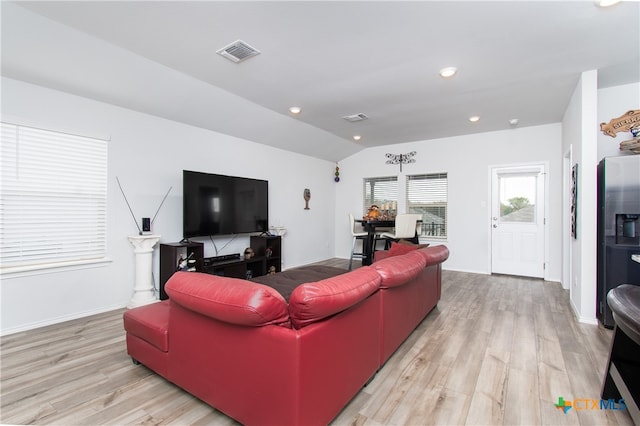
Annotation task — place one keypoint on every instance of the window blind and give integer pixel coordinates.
(427, 195)
(378, 191)
(53, 197)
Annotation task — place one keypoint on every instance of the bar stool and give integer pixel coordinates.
(406, 225)
(356, 236)
(623, 368)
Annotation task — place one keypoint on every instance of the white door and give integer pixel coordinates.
(517, 221)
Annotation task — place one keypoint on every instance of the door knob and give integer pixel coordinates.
(495, 226)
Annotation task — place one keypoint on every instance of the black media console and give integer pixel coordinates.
(267, 255)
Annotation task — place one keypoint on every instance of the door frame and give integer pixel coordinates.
(545, 171)
(567, 246)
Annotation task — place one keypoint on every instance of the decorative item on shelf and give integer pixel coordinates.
(272, 270)
(183, 263)
(401, 159)
(186, 264)
(337, 173)
(249, 274)
(248, 253)
(624, 123)
(307, 197)
(268, 252)
(632, 145)
(278, 231)
(191, 265)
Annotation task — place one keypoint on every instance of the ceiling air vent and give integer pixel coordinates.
(238, 51)
(355, 117)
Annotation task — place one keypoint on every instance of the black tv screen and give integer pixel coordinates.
(223, 205)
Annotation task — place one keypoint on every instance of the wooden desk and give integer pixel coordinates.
(370, 227)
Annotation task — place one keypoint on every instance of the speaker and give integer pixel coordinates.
(146, 224)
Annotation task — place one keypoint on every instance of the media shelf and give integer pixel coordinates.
(170, 255)
(267, 250)
(269, 247)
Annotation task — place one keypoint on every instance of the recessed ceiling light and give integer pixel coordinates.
(357, 137)
(474, 118)
(295, 110)
(448, 72)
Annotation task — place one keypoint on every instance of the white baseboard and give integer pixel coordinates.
(580, 318)
(469, 271)
(58, 320)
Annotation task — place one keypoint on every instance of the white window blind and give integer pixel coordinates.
(427, 195)
(378, 191)
(53, 197)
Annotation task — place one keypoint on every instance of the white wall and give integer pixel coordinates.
(579, 124)
(467, 161)
(612, 103)
(148, 155)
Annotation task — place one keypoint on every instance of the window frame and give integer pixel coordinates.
(440, 190)
(45, 175)
(367, 202)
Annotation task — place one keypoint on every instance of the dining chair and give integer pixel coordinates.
(406, 226)
(356, 236)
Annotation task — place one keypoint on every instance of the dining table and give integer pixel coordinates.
(370, 226)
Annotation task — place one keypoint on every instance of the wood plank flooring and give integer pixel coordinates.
(496, 350)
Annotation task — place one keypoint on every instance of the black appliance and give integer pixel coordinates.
(618, 228)
(223, 205)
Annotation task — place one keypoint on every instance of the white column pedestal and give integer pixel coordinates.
(143, 288)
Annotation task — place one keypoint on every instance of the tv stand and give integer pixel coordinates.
(267, 250)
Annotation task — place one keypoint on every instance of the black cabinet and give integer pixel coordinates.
(269, 248)
(172, 254)
(267, 255)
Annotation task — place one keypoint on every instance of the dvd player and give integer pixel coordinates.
(207, 261)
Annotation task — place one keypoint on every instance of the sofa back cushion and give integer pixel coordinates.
(398, 270)
(435, 254)
(404, 247)
(230, 300)
(312, 302)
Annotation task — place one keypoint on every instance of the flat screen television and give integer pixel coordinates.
(223, 205)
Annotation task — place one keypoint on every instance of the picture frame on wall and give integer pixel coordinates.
(574, 201)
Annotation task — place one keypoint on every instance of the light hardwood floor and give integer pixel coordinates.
(496, 350)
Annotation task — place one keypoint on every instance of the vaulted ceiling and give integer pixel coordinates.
(515, 59)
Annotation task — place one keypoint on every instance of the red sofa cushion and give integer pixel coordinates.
(149, 323)
(230, 300)
(312, 302)
(398, 249)
(399, 270)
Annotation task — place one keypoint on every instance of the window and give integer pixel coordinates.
(53, 197)
(427, 195)
(379, 191)
(518, 197)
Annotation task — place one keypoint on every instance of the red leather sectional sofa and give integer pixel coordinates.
(243, 349)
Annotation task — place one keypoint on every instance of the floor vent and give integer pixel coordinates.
(238, 51)
(355, 117)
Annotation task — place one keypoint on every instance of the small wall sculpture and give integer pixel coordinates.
(307, 197)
